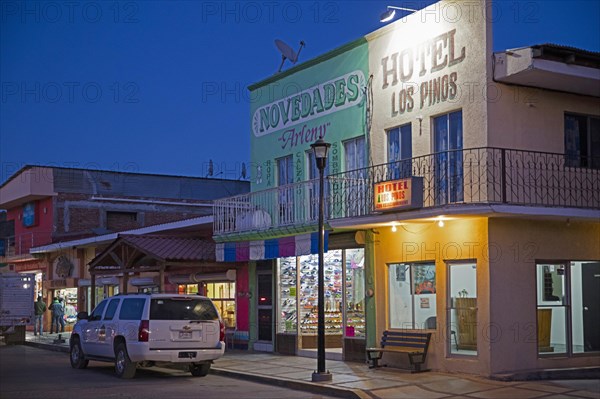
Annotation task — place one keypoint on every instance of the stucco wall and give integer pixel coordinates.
(515, 245)
(465, 26)
(459, 240)
(526, 118)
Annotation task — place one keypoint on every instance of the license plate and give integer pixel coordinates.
(185, 334)
(187, 355)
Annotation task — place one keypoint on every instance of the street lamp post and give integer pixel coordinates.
(320, 149)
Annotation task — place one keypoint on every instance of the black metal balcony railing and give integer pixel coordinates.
(469, 176)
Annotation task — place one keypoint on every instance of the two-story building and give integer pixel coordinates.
(462, 198)
(57, 219)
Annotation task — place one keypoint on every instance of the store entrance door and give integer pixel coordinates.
(591, 308)
(265, 305)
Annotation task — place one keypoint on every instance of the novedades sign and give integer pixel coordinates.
(323, 99)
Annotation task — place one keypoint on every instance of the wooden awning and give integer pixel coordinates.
(152, 253)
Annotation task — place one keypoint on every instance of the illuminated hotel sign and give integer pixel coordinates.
(398, 194)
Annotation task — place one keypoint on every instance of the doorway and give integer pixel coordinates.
(590, 288)
(265, 308)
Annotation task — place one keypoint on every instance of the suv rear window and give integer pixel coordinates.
(182, 309)
(132, 308)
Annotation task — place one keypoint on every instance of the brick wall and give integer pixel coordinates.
(78, 215)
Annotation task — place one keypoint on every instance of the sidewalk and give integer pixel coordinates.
(356, 380)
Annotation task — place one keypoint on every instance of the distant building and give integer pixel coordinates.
(60, 208)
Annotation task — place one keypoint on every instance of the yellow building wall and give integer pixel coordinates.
(515, 246)
(461, 239)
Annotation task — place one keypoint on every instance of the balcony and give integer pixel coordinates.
(15, 246)
(469, 176)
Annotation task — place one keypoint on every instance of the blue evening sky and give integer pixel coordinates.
(160, 86)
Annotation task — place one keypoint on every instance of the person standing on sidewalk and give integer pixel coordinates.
(62, 315)
(39, 307)
(57, 314)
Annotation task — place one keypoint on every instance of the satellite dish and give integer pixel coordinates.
(287, 52)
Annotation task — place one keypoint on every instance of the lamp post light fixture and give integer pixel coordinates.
(320, 149)
(389, 14)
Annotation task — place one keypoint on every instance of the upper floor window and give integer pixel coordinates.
(355, 153)
(30, 214)
(313, 172)
(582, 141)
(285, 196)
(399, 151)
(447, 146)
(285, 171)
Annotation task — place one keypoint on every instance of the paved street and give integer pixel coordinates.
(32, 373)
(350, 380)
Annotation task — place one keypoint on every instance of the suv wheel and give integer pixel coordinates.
(124, 367)
(78, 360)
(200, 370)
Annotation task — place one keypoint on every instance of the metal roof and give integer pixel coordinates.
(168, 248)
(129, 252)
(192, 223)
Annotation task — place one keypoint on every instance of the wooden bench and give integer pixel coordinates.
(414, 344)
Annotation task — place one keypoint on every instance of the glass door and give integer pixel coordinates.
(551, 308)
(265, 306)
(447, 146)
(462, 312)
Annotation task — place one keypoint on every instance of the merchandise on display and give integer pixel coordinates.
(300, 293)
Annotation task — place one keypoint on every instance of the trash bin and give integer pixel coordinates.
(16, 337)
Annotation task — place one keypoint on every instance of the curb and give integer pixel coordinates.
(50, 347)
(584, 373)
(294, 384)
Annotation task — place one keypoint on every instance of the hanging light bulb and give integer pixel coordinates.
(394, 229)
(441, 223)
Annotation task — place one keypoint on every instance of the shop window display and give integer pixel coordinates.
(223, 296)
(355, 293)
(287, 319)
(343, 302)
(412, 291)
(187, 289)
(309, 269)
(69, 296)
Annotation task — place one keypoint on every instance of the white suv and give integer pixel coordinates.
(146, 330)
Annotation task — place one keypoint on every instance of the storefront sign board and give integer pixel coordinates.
(398, 194)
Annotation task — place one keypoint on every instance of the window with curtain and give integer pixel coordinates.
(582, 141)
(399, 151)
(285, 177)
(355, 184)
(447, 145)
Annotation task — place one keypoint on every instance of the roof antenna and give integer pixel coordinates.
(211, 168)
(287, 52)
(244, 172)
